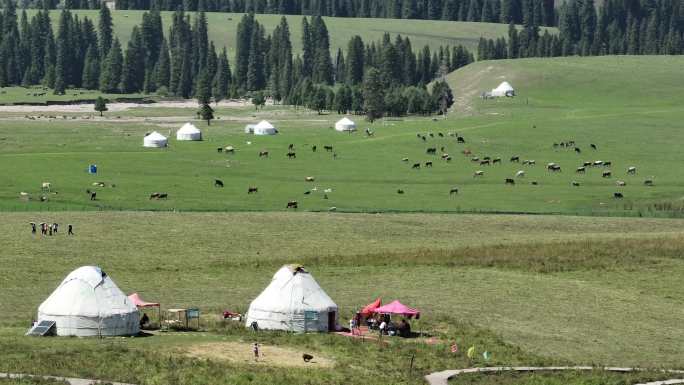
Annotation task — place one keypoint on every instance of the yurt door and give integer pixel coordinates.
(331, 321)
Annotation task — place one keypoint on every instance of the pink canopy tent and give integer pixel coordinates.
(396, 307)
(139, 302)
(370, 308)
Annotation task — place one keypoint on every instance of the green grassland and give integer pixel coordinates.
(37, 94)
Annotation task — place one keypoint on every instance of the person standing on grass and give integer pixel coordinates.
(383, 326)
(33, 228)
(255, 349)
(70, 229)
(54, 228)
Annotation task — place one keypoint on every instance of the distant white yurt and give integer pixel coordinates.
(249, 129)
(264, 128)
(504, 89)
(88, 303)
(295, 302)
(155, 139)
(189, 132)
(345, 124)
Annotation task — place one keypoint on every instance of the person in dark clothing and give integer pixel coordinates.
(144, 320)
(70, 229)
(33, 228)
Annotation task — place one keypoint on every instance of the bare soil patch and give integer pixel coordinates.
(241, 352)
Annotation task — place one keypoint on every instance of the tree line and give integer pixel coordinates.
(632, 27)
(185, 63)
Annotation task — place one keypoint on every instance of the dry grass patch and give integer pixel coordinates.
(241, 353)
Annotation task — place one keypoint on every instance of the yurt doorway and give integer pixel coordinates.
(331, 321)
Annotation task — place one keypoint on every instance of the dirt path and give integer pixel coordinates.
(443, 377)
(69, 380)
(241, 352)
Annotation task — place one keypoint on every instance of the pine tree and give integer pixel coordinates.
(100, 105)
(245, 31)
(222, 80)
(255, 72)
(340, 67)
(443, 96)
(133, 71)
(308, 49)
(203, 91)
(373, 94)
(322, 71)
(206, 113)
(355, 60)
(105, 29)
(91, 69)
(110, 77)
(163, 66)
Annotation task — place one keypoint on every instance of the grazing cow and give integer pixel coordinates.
(575, 183)
(220, 149)
(263, 154)
(607, 164)
(534, 183)
(218, 183)
(631, 170)
(441, 149)
(586, 164)
(309, 179)
(448, 159)
(598, 163)
(593, 146)
(291, 205)
(46, 186)
(252, 189)
(444, 156)
(431, 151)
(328, 148)
(229, 150)
(307, 357)
(431, 134)
(460, 140)
(487, 158)
(418, 135)
(474, 159)
(313, 148)
(424, 138)
(606, 174)
(404, 159)
(454, 190)
(496, 160)
(428, 164)
(291, 155)
(290, 147)
(400, 191)
(648, 182)
(307, 192)
(552, 167)
(478, 173)
(515, 158)
(581, 170)
(484, 163)
(520, 174)
(93, 196)
(577, 150)
(618, 195)
(510, 181)
(620, 183)
(158, 196)
(416, 166)
(440, 134)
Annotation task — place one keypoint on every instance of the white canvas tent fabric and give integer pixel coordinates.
(345, 124)
(88, 303)
(189, 132)
(504, 89)
(293, 301)
(264, 128)
(155, 139)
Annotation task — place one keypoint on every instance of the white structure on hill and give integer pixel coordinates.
(189, 132)
(155, 139)
(504, 89)
(88, 303)
(264, 128)
(345, 124)
(295, 302)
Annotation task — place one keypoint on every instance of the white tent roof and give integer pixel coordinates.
(189, 128)
(293, 301)
(155, 139)
(264, 128)
(263, 125)
(345, 124)
(346, 120)
(504, 87)
(88, 303)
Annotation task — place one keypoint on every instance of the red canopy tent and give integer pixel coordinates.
(139, 302)
(370, 308)
(396, 307)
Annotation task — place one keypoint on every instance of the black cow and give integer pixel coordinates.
(251, 190)
(515, 159)
(428, 164)
(291, 205)
(510, 181)
(218, 183)
(618, 195)
(291, 155)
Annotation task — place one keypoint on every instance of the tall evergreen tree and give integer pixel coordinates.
(91, 69)
(105, 29)
(222, 79)
(373, 94)
(110, 76)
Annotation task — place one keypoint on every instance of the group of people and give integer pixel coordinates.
(50, 228)
(382, 323)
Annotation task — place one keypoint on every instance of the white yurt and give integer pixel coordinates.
(345, 124)
(264, 128)
(504, 89)
(155, 139)
(293, 301)
(189, 132)
(88, 303)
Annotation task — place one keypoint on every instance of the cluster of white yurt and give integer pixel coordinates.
(189, 132)
(345, 124)
(504, 89)
(293, 301)
(88, 303)
(264, 128)
(155, 140)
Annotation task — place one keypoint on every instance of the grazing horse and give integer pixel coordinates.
(263, 154)
(606, 174)
(229, 150)
(575, 183)
(218, 183)
(620, 183)
(496, 160)
(291, 155)
(618, 195)
(607, 164)
(460, 140)
(328, 148)
(291, 205)
(220, 149)
(593, 146)
(440, 134)
(581, 170)
(416, 166)
(454, 190)
(93, 195)
(631, 170)
(484, 162)
(510, 181)
(577, 150)
(309, 179)
(648, 182)
(586, 164)
(478, 173)
(515, 158)
(428, 164)
(252, 189)
(431, 151)
(520, 174)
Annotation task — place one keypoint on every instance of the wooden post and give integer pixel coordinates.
(413, 357)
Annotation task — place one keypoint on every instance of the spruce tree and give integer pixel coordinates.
(322, 66)
(110, 77)
(206, 113)
(105, 29)
(91, 69)
(373, 94)
(163, 68)
(308, 49)
(355, 60)
(100, 105)
(222, 79)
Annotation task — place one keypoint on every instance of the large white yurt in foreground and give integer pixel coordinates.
(189, 132)
(504, 89)
(295, 302)
(88, 303)
(264, 128)
(345, 124)
(155, 139)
